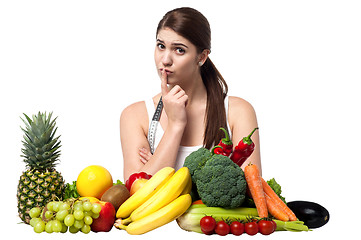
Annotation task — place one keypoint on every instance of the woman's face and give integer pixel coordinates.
(177, 56)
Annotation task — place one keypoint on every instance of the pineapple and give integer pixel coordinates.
(40, 183)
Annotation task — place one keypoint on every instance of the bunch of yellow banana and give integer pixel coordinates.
(162, 199)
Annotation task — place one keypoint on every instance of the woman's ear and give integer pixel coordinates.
(203, 56)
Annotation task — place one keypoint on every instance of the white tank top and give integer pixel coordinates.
(183, 151)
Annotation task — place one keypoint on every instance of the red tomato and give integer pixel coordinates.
(222, 228)
(265, 227)
(237, 228)
(274, 225)
(251, 228)
(208, 224)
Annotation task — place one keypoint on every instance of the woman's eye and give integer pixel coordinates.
(180, 50)
(160, 46)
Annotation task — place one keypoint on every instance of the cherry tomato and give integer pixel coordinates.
(237, 228)
(265, 227)
(222, 228)
(208, 224)
(251, 228)
(274, 225)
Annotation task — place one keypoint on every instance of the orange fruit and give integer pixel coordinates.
(93, 181)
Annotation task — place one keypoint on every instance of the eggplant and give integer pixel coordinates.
(312, 214)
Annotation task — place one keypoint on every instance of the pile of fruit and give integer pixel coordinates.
(46, 202)
(213, 178)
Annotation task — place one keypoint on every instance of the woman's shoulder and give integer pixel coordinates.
(240, 110)
(239, 104)
(135, 113)
(134, 108)
(138, 109)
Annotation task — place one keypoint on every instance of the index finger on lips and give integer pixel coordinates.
(164, 86)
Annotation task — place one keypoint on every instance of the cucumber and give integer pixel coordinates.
(312, 214)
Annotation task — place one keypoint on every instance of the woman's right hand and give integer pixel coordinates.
(174, 102)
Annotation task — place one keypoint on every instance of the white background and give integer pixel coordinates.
(297, 62)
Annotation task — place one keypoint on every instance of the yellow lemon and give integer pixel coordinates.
(93, 181)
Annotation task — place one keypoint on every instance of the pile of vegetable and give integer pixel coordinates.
(221, 204)
(220, 182)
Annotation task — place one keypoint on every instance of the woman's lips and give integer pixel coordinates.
(166, 71)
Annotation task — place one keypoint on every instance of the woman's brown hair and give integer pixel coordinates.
(192, 25)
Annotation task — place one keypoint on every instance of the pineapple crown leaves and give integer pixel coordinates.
(41, 147)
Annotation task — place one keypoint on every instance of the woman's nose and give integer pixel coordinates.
(167, 59)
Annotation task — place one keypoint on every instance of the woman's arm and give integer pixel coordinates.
(134, 130)
(133, 135)
(242, 120)
(133, 122)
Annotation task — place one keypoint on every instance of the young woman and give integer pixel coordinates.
(194, 97)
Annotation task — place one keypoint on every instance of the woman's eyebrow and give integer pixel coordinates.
(173, 44)
(179, 44)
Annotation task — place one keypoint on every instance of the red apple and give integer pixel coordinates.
(106, 218)
(132, 178)
(137, 185)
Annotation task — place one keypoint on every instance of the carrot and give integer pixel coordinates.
(269, 191)
(254, 182)
(274, 210)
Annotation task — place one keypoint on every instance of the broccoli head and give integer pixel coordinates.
(196, 160)
(221, 183)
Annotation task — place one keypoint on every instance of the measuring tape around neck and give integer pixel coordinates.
(154, 124)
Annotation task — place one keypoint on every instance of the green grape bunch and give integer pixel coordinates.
(60, 216)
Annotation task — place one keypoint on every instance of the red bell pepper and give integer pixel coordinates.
(243, 150)
(225, 145)
(135, 176)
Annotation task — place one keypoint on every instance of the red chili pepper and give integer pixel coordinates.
(225, 145)
(218, 150)
(243, 150)
(135, 176)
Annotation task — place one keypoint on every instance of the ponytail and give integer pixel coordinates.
(215, 116)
